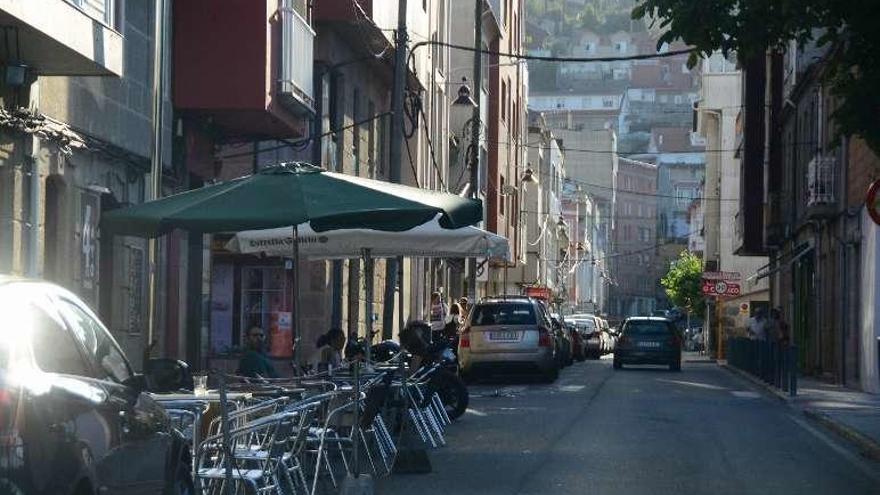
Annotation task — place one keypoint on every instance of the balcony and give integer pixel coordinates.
(820, 197)
(297, 45)
(62, 38)
(245, 66)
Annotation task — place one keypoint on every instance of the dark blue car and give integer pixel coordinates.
(648, 340)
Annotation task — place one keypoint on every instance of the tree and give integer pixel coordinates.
(683, 283)
(749, 28)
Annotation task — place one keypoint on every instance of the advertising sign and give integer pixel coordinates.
(722, 276)
(720, 288)
(539, 293)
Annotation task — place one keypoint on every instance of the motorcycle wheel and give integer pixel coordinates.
(453, 393)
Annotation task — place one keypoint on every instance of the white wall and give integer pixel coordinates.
(869, 317)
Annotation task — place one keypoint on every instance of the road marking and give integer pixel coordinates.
(571, 388)
(692, 384)
(475, 412)
(745, 394)
(849, 456)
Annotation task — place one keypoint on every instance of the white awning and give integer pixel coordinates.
(429, 240)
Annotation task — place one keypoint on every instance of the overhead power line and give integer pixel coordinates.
(544, 58)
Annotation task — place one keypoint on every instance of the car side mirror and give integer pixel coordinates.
(167, 375)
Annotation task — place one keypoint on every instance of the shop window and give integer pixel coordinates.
(264, 304)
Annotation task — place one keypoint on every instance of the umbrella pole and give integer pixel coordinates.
(368, 279)
(296, 331)
(400, 285)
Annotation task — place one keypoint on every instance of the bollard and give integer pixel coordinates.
(793, 371)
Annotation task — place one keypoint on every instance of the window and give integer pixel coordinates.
(620, 46)
(54, 349)
(589, 47)
(504, 314)
(502, 197)
(503, 100)
(608, 102)
(97, 342)
(356, 130)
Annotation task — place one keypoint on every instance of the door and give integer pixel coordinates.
(144, 440)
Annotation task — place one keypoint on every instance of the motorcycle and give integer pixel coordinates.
(435, 360)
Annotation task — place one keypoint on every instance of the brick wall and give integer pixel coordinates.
(864, 168)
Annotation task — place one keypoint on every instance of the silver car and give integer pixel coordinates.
(508, 335)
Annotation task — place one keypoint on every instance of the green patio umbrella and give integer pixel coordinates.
(293, 194)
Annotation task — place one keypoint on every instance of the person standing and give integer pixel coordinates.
(254, 363)
(465, 306)
(438, 312)
(331, 345)
(450, 330)
(781, 330)
(758, 326)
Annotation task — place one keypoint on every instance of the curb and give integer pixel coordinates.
(782, 396)
(868, 446)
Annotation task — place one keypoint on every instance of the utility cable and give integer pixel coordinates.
(543, 58)
(294, 144)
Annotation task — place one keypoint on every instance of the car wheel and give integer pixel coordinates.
(551, 376)
(676, 366)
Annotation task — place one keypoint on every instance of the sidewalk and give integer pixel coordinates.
(851, 414)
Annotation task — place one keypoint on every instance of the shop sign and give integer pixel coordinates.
(720, 288)
(722, 276)
(88, 258)
(539, 293)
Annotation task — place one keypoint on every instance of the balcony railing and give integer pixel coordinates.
(102, 10)
(820, 181)
(297, 56)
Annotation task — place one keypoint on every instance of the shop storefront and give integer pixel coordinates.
(246, 292)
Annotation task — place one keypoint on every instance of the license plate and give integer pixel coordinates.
(649, 345)
(504, 336)
(594, 341)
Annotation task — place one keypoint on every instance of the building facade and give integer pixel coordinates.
(76, 142)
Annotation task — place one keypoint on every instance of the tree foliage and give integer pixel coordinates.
(683, 283)
(750, 27)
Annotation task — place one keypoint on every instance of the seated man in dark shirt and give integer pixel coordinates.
(254, 362)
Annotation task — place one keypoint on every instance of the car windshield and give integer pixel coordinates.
(504, 314)
(588, 324)
(646, 328)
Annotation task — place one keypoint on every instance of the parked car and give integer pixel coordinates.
(590, 327)
(508, 334)
(649, 340)
(579, 345)
(74, 417)
(566, 341)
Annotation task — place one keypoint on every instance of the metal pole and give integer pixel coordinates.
(476, 126)
(396, 151)
(155, 192)
(295, 321)
(401, 321)
(369, 280)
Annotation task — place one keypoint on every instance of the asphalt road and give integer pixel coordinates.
(633, 431)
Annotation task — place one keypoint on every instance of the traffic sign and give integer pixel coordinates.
(872, 201)
(720, 288)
